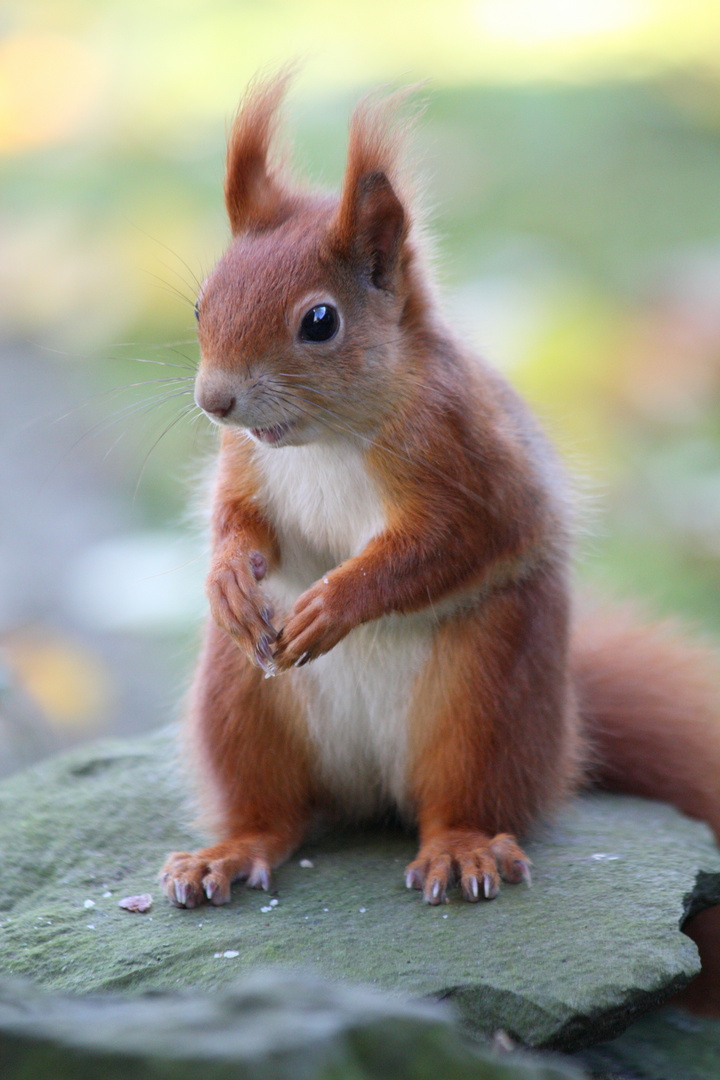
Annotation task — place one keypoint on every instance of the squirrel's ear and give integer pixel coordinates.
(254, 194)
(374, 223)
(371, 222)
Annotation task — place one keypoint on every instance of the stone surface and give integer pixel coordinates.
(594, 943)
(665, 1045)
(270, 1026)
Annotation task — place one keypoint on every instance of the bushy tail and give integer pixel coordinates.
(650, 703)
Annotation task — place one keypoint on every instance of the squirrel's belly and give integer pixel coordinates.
(324, 508)
(359, 697)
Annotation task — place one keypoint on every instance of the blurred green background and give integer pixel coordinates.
(572, 160)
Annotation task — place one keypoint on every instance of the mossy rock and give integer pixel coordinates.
(668, 1044)
(269, 1026)
(594, 943)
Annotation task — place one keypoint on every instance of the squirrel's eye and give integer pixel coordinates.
(319, 323)
(197, 310)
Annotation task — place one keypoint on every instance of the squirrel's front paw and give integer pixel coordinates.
(241, 608)
(314, 625)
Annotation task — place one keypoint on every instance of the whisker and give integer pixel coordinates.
(126, 411)
(181, 416)
(114, 391)
(316, 390)
(170, 285)
(160, 363)
(123, 345)
(50, 419)
(192, 363)
(105, 423)
(169, 250)
(165, 286)
(188, 285)
(152, 344)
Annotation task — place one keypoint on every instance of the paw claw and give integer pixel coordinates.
(472, 889)
(260, 879)
(436, 894)
(524, 871)
(185, 894)
(264, 658)
(266, 617)
(490, 887)
(412, 880)
(217, 891)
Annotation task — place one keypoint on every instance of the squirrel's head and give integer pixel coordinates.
(301, 321)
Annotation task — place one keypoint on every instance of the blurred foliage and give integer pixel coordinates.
(573, 159)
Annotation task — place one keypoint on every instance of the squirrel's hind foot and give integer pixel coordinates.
(478, 862)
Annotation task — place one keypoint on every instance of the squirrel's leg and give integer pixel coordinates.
(247, 744)
(494, 739)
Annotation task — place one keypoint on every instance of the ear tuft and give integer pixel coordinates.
(373, 216)
(255, 196)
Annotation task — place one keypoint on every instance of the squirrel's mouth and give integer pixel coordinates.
(270, 435)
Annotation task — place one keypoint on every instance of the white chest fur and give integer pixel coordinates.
(321, 499)
(325, 508)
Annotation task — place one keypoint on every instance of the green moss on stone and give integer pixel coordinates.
(592, 945)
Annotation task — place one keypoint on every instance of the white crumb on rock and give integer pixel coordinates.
(307, 864)
(230, 954)
(88, 903)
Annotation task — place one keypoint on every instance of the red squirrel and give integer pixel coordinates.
(389, 582)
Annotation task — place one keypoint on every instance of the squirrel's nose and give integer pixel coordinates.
(215, 402)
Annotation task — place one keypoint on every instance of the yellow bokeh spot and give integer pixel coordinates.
(49, 89)
(69, 684)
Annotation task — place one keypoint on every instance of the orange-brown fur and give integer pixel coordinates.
(464, 572)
